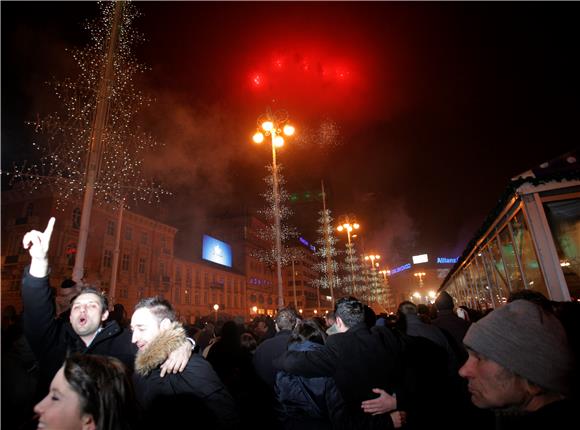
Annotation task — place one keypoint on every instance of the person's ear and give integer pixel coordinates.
(105, 315)
(88, 422)
(165, 324)
(339, 323)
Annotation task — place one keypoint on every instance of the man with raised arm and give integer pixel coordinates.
(86, 330)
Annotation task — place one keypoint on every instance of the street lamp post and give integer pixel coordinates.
(274, 125)
(349, 225)
(420, 275)
(216, 308)
(386, 273)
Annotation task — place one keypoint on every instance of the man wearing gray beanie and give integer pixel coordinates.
(520, 360)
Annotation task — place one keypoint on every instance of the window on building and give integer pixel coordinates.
(564, 220)
(107, 258)
(141, 265)
(510, 260)
(177, 294)
(188, 278)
(71, 253)
(128, 233)
(144, 238)
(197, 279)
(76, 218)
(524, 248)
(29, 209)
(125, 263)
(111, 228)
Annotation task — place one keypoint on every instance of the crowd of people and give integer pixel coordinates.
(511, 368)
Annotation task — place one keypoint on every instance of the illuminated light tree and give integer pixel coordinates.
(353, 281)
(327, 267)
(93, 145)
(274, 256)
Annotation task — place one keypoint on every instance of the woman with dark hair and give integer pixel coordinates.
(89, 392)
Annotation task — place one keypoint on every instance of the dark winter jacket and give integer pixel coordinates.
(267, 352)
(358, 360)
(561, 414)
(455, 326)
(306, 403)
(53, 339)
(195, 397)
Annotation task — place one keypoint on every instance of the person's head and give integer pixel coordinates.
(330, 319)
(286, 319)
(67, 291)
(151, 316)
(248, 342)
(88, 311)
(444, 301)
(519, 358)
(407, 308)
(532, 296)
(308, 330)
(349, 312)
(89, 392)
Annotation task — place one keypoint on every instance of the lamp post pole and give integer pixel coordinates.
(346, 225)
(277, 233)
(274, 124)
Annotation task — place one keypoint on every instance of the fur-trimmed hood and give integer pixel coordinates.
(154, 354)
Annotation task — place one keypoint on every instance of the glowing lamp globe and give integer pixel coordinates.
(268, 125)
(278, 141)
(258, 137)
(289, 130)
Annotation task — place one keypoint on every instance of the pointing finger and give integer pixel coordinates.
(49, 227)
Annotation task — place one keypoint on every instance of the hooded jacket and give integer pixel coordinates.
(183, 400)
(52, 339)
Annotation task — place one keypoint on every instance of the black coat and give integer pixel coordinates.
(267, 352)
(53, 339)
(358, 360)
(306, 403)
(192, 398)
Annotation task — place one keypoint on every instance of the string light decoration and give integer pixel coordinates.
(268, 233)
(353, 280)
(66, 135)
(327, 266)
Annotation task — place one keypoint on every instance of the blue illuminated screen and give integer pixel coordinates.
(216, 251)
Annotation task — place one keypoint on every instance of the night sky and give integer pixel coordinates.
(415, 115)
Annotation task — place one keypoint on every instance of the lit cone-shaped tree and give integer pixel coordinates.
(268, 234)
(327, 267)
(353, 282)
(105, 80)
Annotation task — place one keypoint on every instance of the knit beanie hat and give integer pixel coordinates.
(444, 301)
(523, 338)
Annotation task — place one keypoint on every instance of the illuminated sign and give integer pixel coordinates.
(216, 251)
(400, 268)
(307, 244)
(443, 260)
(423, 258)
